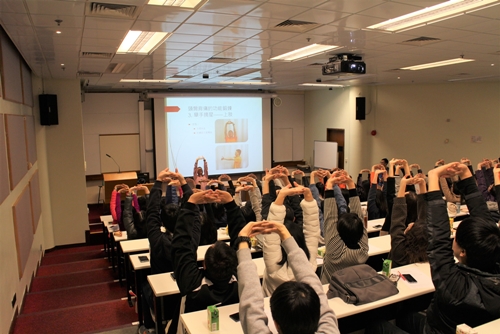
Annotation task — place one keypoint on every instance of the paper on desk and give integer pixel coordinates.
(270, 321)
(423, 280)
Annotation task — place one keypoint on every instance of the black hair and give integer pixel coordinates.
(416, 243)
(169, 214)
(385, 160)
(140, 223)
(363, 190)
(143, 202)
(350, 228)
(298, 234)
(411, 208)
(248, 212)
(321, 188)
(220, 262)
(208, 231)
(480, 238)
(295, 308)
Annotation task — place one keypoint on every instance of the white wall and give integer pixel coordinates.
(113, 113)
(411, 122)
(290, 115)
(62, 166)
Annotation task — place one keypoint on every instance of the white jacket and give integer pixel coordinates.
(275, 274)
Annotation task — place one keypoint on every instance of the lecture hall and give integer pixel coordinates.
(238, 130)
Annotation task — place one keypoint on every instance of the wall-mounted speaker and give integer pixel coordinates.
(360, 108)
(48, 109)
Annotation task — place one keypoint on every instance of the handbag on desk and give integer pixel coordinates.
(360, 284)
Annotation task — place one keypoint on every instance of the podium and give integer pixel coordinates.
(112, 179)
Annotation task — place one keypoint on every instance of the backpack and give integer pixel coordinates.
(360, 284)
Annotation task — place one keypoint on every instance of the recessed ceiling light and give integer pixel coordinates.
(142, 42)
(320, 85)
(58, 32)
(150, 80)
(193, 4)
(62, 64)
(305, 52)
(433, 14)
(437, 64)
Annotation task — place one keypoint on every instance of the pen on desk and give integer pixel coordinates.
(401, 275)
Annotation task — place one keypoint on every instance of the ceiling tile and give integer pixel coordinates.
(238, 7)
(107, 23)
(198, 29)
(154, 26)
(164, 14)
(237, 32)
(212, 18)
(277, 11)
(56, 8)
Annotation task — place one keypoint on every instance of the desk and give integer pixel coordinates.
(196, 322)
(492, 327)
(370, 228)
(106, 221)
(139, 267)
(128, 247)
(115, 244)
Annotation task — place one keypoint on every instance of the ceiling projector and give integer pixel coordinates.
(344, 64)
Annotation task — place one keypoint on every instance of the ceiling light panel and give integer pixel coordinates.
(438, 64)
(433, 14)
(305, 52)
(142, 42)
(190, 4)
(320, 85)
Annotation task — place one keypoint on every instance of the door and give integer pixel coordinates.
(337, 135)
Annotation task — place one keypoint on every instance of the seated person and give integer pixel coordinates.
(160, 222)
(409, 235)
(346, 238)
(307, 236)
(299, 307)
(134, 219)
(468, 291)
(216, 282)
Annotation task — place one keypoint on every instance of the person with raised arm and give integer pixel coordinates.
(346, 238)
(408, 235)
(297, 307)
(307, 236)
(216, 282)
(200, 175)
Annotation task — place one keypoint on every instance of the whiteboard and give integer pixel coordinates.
(282, 145)
(124, 148)
(325, 154)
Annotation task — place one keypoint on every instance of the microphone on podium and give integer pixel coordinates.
(119, 171)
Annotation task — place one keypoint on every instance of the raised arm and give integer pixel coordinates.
(189, 277)
(439, 251)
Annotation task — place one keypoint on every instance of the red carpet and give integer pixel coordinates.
(72, 250)
(45, 283)
(72, 267)
(73, 257)
(81, 319)
(63, 298)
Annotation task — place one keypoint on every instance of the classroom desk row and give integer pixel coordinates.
(165, 285)
(196, 322)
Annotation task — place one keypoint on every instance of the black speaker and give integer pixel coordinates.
(48, 109)
(360, 108)
(142, 178)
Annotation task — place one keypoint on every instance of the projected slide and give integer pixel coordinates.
(227, 132)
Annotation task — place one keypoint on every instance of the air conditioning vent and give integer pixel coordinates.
(85, 74)
(100, 55)
(111, 10)
(240, 72)
(295, 26)
(421, 41)
(220, 60)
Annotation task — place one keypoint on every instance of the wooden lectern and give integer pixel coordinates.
(112, 179)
